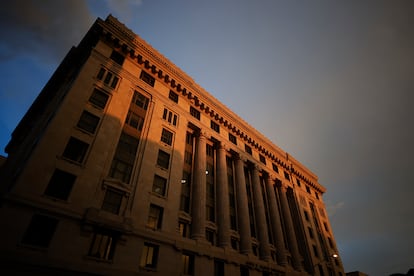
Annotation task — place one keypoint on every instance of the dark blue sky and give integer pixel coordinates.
(330, 82)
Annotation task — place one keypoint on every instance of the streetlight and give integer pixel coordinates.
(327, 261)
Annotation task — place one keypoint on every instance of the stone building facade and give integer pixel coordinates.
(123, 165)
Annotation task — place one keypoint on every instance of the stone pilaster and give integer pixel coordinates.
(223, 207)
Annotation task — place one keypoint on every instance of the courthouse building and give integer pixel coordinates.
(123, 165)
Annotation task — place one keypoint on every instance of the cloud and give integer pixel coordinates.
(333, 208)
(45, 29)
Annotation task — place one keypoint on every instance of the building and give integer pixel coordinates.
(123, 165)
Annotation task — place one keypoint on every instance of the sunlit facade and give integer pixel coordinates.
(123, 165)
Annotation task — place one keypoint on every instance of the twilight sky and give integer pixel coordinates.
(330, 82)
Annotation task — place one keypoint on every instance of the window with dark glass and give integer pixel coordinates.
(140, 100)
(210, 236)
(232, 139)
(107, 77)
(262, 159)
(170, 117)
(166, 136)
(234, 243)
(218, 267)
(308, 189)
(315, 251)
(187, 264)
(184, 228)
(99, 98)
(149, 256)
(188, 157)
(60, 185)
(195, 113)
(326, 227)
(103, 244)
(248, 149)
(75, 150)
(147, 78)
(244, 270)
(330, 242)
(173, 96)
(209, 150)
(298, 182)
(316, 195)
(134, 120)
(286, 175)
(159, 185)
(275, 168)
(117, 57)
(155, 217)
(214, 126)
(112, 200)
(310, 232)
(88, 122)
(123, 162)
(40, 231)
(163, 159)
(306, 215)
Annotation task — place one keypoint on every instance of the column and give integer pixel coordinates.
(223, 207)
(276, 223)
(259, 210)
(290, 231)
(242, 208)
(198, 210)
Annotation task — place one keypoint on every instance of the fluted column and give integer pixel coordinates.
(223, 207)
(290, 231)
(259, 210)
(276, 223)
(199, 190)
(242, 208)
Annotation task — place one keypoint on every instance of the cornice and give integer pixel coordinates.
(125, 40)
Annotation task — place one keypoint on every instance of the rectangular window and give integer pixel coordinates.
(159, 185)
(218, 267)
(173, 96)
(140, 100)
(40, 231)
(244, 270)
(166, 137)
(308, 189)
(149, 256)
(112, 201)
(248, 149)
(315, 251)
(75, 150)
(234, 243)
(310, 232)
(298, 182)
(316, 195)
(326, 227)
(331, 243)
(286, 175)
(188, 264)
(134, 120)
(163, 159)
(117, 57)
(210, 236)
(147, 78)
(189, 138)
(188, 157)
(262, 159)
(214, 126)
(99, 98)
(275, 168)
(60, 185)
(184, 228)
(101, 74)
(170, 117)
(306, 215)
(103, 245)
(209, 150)
(155, 217)
(232, 139)
(195, 113)
(124, 159)
(88, 122)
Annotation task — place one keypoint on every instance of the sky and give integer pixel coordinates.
(329, 82)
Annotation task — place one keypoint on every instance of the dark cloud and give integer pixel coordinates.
(45, 29)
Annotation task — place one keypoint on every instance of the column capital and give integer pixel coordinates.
(222, 146)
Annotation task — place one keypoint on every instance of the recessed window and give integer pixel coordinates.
(210, 236)
(88, 122)
(234, 243)
(306, 215)
(112, 201)
(308, 189)
(75, 150)
(187, 264)
(188, 157)
(218, 267)
(326, 227)
(60, 185)
(149, 256)
(209, 150)
(163, 159)
(103, 244)
(147, 78)
(330, 243)
(117, 57)
(170, 117)
(155, 217)
(195, 113)
(173, 96)
(124, 159)
(140, 100)
(99, 98)
(298, 182)
(262, 159)
(107, 77)
(166, 136)
(214, 126)
(232, 139)
(40, 231)
(310, 232)
(184, 228)
(286, 175)
(159, 185)
(315, 251)
(248, 149)
(134, 120)
(189, 138)
(275, 168)
(316, 195)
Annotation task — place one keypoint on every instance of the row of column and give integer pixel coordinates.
(223, 207)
